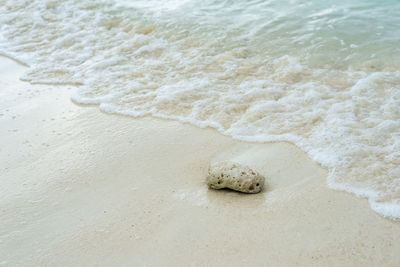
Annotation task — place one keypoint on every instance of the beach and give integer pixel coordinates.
(320, 75)
(80, 187)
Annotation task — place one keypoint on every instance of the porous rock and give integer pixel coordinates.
(234, 176)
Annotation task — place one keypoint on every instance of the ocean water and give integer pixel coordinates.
(324, 75)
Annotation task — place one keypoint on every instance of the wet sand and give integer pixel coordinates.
(80, 187)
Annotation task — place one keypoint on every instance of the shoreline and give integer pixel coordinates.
(84, 187)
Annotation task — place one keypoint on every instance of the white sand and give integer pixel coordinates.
(80, 187)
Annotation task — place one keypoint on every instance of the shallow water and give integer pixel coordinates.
(324, 75)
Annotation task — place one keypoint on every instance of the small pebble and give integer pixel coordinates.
(234, 176)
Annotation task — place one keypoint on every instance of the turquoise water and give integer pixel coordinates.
(324, 75)
(337, 33)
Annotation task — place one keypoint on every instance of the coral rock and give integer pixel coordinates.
(234, 176)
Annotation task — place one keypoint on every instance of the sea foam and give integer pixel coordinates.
(257, 75)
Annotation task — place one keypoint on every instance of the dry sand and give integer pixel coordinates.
(80, 187)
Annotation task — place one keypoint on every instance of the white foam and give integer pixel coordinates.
(128, 62)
